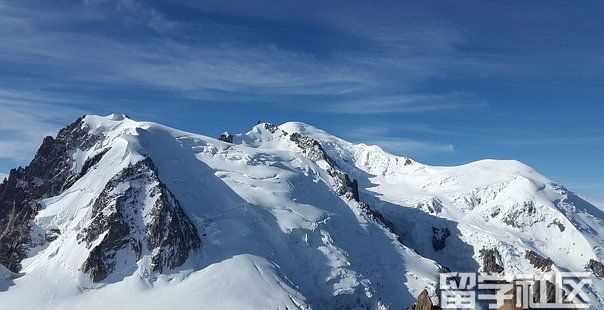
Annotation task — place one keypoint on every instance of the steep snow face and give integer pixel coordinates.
(474, 208)
(281, 217)
(136, 213)
(267, 229)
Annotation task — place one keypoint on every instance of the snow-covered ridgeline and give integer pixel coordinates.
(277, 217)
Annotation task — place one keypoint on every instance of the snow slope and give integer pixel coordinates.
(488, 204)
(275, 235)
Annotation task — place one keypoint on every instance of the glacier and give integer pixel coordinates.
(137, 215)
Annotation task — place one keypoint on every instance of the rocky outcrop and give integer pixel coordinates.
(342, 183)
(522, 215)
(557, 223)
(49, 173)
(121, 215)
(269, 126)
(52, 234)
(423, 302)
(432, 206)
(491, 261)
(596, 267)
(538, 261)
(137, 215)
(311, 147)
(226, 137)
(439, 237)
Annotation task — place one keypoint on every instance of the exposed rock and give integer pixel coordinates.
(596, 267)
(269, 126)
(123, 219)
(491, 261)
(433, 206)
(91, 162)
(343, 185)
(558, 224)
(423, 302)
(472, 201)
(354, 186)
(311, 147)
(88, 164)
(538, 261)
(522, 214)
(495, 212)
(443, 268)
(48, 174)
(52, 234)
(226, 137)
(374, 215)
(439, 237)
(170, 233)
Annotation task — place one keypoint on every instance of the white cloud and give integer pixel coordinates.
(175, 55)
(412, 103)
(398, 145)
(26, 118)
(2, 176)
(413, 147)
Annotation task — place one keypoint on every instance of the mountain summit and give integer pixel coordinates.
(113, 211)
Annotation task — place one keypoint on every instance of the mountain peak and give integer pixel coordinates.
(284, 216)
(116, 116)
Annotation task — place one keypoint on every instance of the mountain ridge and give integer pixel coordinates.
(321, 222)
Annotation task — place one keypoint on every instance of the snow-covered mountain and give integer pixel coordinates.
(115, 212)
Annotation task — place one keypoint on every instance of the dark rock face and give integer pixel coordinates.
(49, 173)
(538, 261)
(423, 302)
(433, 206)
(557, 223)
(491, 261)
(123, 221)
(439, 237)
(269, 126)
(311, 147)
(226, 137)
(526, 210)
(52, 235)
(596, 267)
(343, 185)
(91, 162)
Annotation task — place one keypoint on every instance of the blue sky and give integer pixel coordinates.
(446, 82)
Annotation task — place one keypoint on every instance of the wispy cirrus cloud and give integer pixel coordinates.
(224, 55)
(410, 103)
(221, 58)
(26, 118)
(413, 147)
(388, 140)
